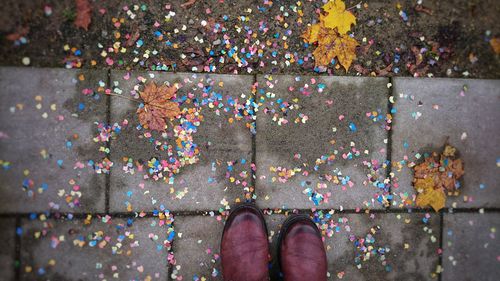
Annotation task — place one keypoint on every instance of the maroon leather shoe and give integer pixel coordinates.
(244, 246)
(301, 252)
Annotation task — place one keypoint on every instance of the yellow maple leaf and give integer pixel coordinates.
(337, 16)
(331, 44)
(311, 34)
(324, 54)
(331, 35)
(434, 198)
(423, 185)
(428, 196)
(345, 49)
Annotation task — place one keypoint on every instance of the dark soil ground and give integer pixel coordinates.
(437, 38)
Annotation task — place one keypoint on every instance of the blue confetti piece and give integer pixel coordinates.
(60, 162)
(403, 15)
(171, 236)
(353, 127)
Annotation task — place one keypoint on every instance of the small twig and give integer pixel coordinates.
(188, 4)
(354, 6)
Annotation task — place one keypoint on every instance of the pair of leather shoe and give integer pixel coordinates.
(245, 248)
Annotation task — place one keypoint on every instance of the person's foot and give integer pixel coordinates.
(301, 252)
(244, 246)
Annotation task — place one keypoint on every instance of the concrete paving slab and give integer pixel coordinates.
(471, 246)
(223, 171)
(327, 131)
(416, 262)
(196, 250)
(70, 250)
(410, 243)
(46, 140)
(7, 248)
(463, 112)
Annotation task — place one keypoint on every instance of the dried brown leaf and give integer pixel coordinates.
(434, 176)
(83, 14)
(157, 106)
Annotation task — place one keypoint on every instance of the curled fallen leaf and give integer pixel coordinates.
(423, 9)
(157, 106)
(359, 68)
(194, 57)
(20, 32)
(495, 44)
(384, 71)
(83, 14)
(188, 4)
(133, 38)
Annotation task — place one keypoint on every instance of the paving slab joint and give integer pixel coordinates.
(254, 150)
(108, 145)
(388, 170)
(17, 250)
(441, 229)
